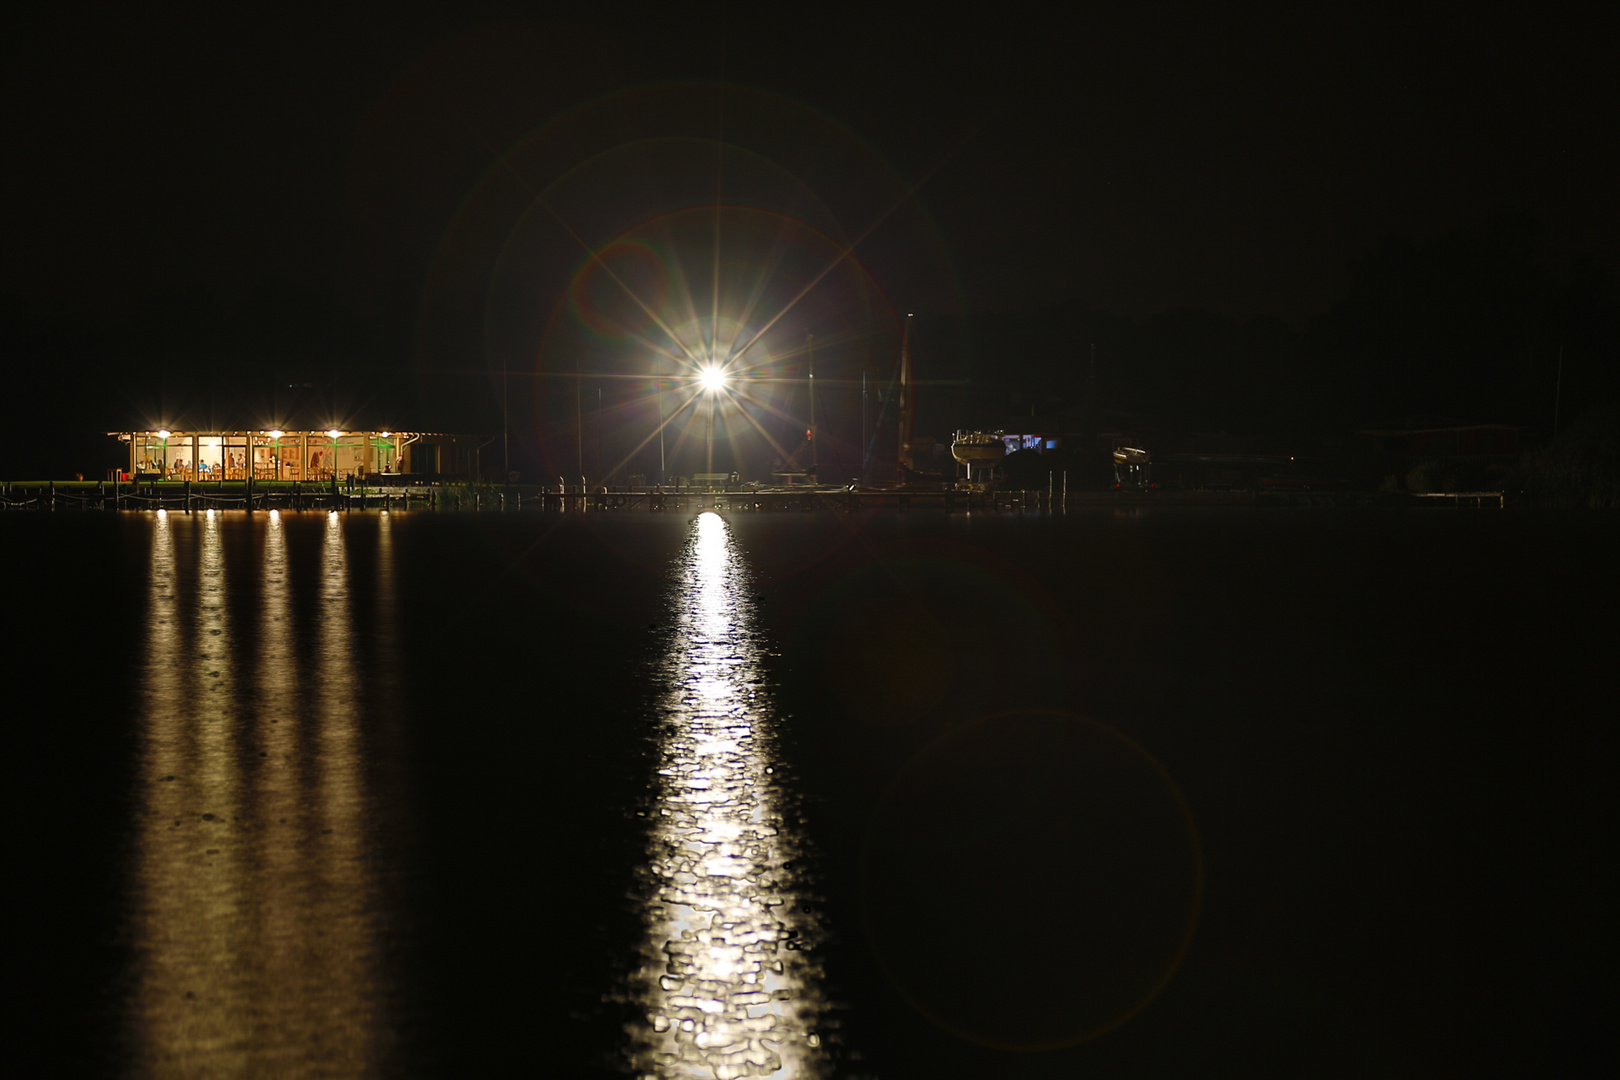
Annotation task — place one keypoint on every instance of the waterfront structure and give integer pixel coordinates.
(275, 454)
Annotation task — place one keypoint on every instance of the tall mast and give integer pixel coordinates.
(810, 351)
(905, 403)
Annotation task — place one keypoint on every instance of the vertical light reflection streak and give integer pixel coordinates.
(727, 988)
(280, 806)
(255, 918)
(340, 903)
(194, 998)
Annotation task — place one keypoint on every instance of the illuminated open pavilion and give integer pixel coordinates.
(276, 454)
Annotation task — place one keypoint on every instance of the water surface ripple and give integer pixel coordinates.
(254, 922)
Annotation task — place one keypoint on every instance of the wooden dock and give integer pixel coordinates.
(188, 496)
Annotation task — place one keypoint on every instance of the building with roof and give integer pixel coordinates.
(298, 455)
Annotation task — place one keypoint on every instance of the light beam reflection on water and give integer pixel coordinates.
(727, 988)
(254, 917)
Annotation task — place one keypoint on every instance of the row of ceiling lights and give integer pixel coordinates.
(334, 433)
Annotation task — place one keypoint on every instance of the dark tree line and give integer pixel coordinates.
(1467, 327)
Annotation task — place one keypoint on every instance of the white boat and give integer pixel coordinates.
(978, 450)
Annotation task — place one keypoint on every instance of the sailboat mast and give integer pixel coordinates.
(904, 460)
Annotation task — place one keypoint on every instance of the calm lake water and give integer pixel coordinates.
(1133, 793)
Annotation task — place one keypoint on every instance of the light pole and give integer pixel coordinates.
(810, 353)
(709, 466)
(714, 380)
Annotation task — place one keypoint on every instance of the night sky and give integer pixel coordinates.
(377, 166)
(1264, 227)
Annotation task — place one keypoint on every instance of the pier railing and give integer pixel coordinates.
(1465, 498)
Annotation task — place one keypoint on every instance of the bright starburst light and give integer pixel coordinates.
(682, 340)
(685, 250)
(688, 335)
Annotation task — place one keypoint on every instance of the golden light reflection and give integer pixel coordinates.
(727, 986)
(190, 1001)
(254, 919)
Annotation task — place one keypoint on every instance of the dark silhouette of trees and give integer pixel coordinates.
(1467, 325)
(1581, 467)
